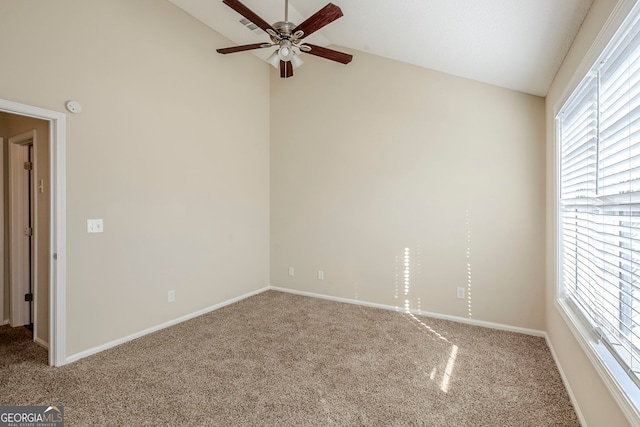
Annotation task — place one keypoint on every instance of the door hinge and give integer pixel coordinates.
(28, 231)
(28, 166)
(28, 297)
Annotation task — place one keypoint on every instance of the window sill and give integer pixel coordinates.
(622, 388)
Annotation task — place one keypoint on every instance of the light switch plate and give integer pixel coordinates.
(95, 226)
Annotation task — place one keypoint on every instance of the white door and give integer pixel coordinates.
(20, 230)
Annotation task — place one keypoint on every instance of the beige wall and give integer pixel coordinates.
(376, 157)
(594, 400)
(367, 160)
(4, 279)
(171, 151)
(17, 125)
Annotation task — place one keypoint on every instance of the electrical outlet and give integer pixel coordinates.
(95, 226)
(171, 296)
(320, 275)
(460, 293)
(291, 271)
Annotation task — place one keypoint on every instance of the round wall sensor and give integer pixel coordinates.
(74, 107)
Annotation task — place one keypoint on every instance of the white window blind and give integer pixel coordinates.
(599, 136)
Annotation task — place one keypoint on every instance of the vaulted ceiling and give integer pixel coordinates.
(515, 44)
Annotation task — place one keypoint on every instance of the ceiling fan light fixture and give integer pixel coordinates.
(274, 59)
(286, 51)
(288, 37)
(296, 61)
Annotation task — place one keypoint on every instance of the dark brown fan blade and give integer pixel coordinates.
(334, 55)
(286, 69)
(324, 16)
(242, 48)
(248, 13)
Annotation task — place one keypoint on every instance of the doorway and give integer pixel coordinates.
(54, 182)
(24, 283)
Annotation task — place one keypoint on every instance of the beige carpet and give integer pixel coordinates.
(284, 360)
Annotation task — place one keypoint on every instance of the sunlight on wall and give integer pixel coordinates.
(396, 292)
(403, 276)
(407, 278)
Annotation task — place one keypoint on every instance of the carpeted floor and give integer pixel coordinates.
(278, 359)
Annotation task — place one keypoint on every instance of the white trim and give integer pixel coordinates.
(106, 346)
(5, 322)
(35, 242)
(20, 269)
(465, 320)
(2, 237)
(610, 27)
(591, 349)
(58, 249)
(557, 244)
(565, 381)
(114, 343)
(58, 244)
(595, 351)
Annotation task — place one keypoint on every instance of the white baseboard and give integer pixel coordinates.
(534, 332)
(5, 322)
(482, 323)
(98, 349)
(565, 381)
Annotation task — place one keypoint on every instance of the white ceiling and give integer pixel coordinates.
(516, 44)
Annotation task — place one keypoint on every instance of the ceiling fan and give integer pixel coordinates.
(288, 37)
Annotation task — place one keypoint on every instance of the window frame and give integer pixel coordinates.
(624, 390)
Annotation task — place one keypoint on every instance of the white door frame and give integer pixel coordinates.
(58, 218)
(2, 319)
(21, 271)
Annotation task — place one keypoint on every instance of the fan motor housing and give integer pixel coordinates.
(285, 28)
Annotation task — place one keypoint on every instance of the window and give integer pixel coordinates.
(599, 201)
